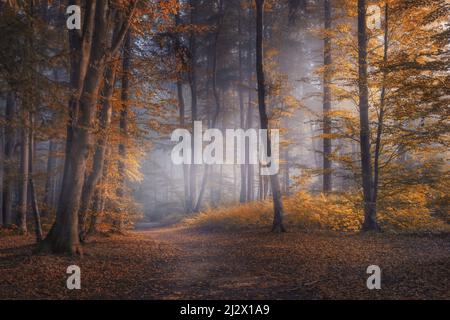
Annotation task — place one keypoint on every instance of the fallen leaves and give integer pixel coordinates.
(185, 263)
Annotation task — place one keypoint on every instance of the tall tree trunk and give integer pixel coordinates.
(124, 96)
(50, 181)
(99, 199)
(33, 195)
(249, 120)
(193, 86)
(382, 109)
(217, 104)
(10, 114)
(63, 236)
(23, 172)
(182, 111)
(275, 183)
(97, 211)
(100, 151)
(181, 107)
(243, 171)
(286, 171)
(370, 222)
(250, 167)
(327, 181)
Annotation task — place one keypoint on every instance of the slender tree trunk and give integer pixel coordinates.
(250, 167)
(370, 222)
(100, 151)
(33, 196)
(99, 199)
(327, 181)
(193, 87)
(243, 171)
(217, 103)
(182, 111)
(8, 158)
(249, 120)
(23, 172)
(181, 107)
(126, 69)
(275, 183)
(382, 109)
(50, 181)
(97, 210)
(286, 171)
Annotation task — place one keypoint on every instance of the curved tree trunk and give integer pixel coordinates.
(63, 236)
(274, 181)
(192, 75)
(100, 151)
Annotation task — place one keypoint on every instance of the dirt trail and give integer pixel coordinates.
(197, 264)
(183, 263)
(261, 265)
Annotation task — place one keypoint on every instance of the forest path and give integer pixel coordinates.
(186, 263)
(199, 266)
(261, 265)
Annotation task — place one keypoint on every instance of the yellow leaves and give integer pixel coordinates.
(271, 52)
(291, 101)
(404, 212)
(344, 28)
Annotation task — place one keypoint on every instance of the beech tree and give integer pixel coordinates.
(264, 121)
(90, 55)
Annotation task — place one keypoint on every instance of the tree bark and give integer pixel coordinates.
(50, 181)
(275, 183)
(23, 172)
(124, 96)
(63, 236)
(182, 108)
(243, 169)
(100, 151)
(286, 171)
(10, 113)
(99, 199)
(376, 173)
(370, 222)
(327, 178)
(33, 196)
(249, 120)
(199, 201)
(193, 86)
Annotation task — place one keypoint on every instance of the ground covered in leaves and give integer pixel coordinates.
(186, 263)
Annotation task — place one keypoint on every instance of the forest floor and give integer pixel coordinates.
(185, 263)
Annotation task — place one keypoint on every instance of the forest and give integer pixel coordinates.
(130, 146)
